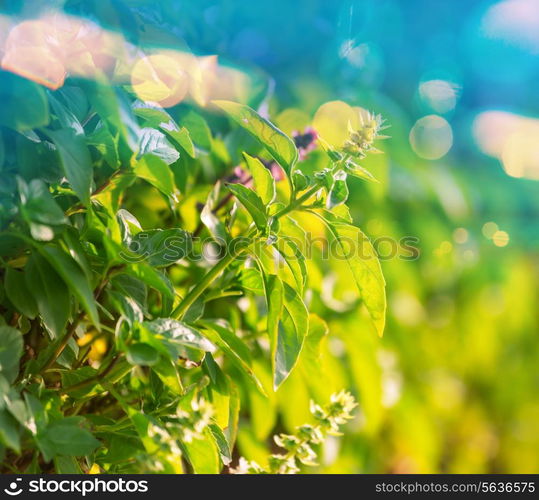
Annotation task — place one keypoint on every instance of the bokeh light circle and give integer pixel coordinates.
(431, 137)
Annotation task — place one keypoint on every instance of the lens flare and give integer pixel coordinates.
(512, 139)
(431, 137)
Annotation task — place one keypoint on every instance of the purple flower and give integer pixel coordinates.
(305, 142)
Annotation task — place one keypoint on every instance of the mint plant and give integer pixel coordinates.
(148, 285)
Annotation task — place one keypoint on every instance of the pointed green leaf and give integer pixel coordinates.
(142, 354)
(161, 247)
(293, 328)
(252, 203)
(38, 205)
(288, 323)
(75, 277)
(152, 277)
(364, 265)
(222, 443)
(278, 144)
(153, 141)
(156, 172)
(73, 377)
(49, 291)
(75, 160)
(168, 373)
(157, 117)
(67, 437)
(294, 259)
(19, 294)
(9, 431)
(208, 217)
(11, 345)
(203, 454)
(24, 103)
(263, 180)
(173, 338)
(235, 350)
(338, 194)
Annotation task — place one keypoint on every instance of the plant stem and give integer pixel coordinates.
(205, 282)
(298, 201)
(218, 207)
(215, 271)
(99, 376)
(71, 330)
(63, 342)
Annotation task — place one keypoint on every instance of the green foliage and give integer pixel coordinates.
(151, 301)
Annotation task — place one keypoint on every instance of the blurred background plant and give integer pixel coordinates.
(452, 385)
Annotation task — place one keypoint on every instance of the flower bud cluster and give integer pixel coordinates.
(298, 446)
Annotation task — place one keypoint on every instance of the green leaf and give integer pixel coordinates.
(219, 333)
(293, 328)
(182, 138)
(338, 194)
(209, 219)
(294, 259)
(300, 181)
(9, 431)
(64, 115)
(16, 406)
(174, 338)
(66, 465)
(152, 277)
(168, 373)
(115, 109)
(73, 377)
(142, 424)
(310, 356)
(364, 266)
(75, 160)
(66, 437)
(131, 287)
(274, 291)
(356, 170)
(24, 103)
(73, 245)
(38, 205)
(111, 196)
(288, 323)
(128, 307)
(19, 294)
(11, 345)
(278, 144)
(263, 180)
(251, 279)
(36, 411)
(75, 277)
(49, 291)
(142, 354)
(197, 127)
(203, 454)
(161, 248)
(74, 98)
(105, 143)
(122, 447)
(158, 118)
(156, 172)
(252, 203)
(222, 443)
(153, 141)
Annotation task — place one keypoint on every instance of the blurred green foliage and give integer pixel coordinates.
(451, 387)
